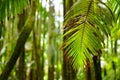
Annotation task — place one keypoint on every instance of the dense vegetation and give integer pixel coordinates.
(59, 39)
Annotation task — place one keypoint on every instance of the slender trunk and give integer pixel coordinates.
(97, 67)
(32, 74)
(36, 56)
(105, 72)
(51, 42)
(42, 59)
(43, 50)
(1, 40)
(51, 72)
(59, 52)
(21, 73)
(114, 68)
(8, 38)
(39, 24)
(35, 68)
(88, 75)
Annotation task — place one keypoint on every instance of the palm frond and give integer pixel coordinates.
(84, 27)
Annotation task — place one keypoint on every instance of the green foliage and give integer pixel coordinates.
(8, 7)
(115, 7)
(85, 24)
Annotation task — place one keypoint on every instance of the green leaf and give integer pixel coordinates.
(84, 27)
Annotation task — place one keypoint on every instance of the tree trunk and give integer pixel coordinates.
(39, 24)
(51, 72)
(36, 55)
(42, 52)
(1, 34)
(1, 40)
(32, 74)
(51, 42)
(97, 67)
(88, 75)
(21, 73)
(8, 38)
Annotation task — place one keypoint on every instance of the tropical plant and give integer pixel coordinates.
(87, 30)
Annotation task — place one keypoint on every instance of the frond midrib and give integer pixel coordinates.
(86, 18)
